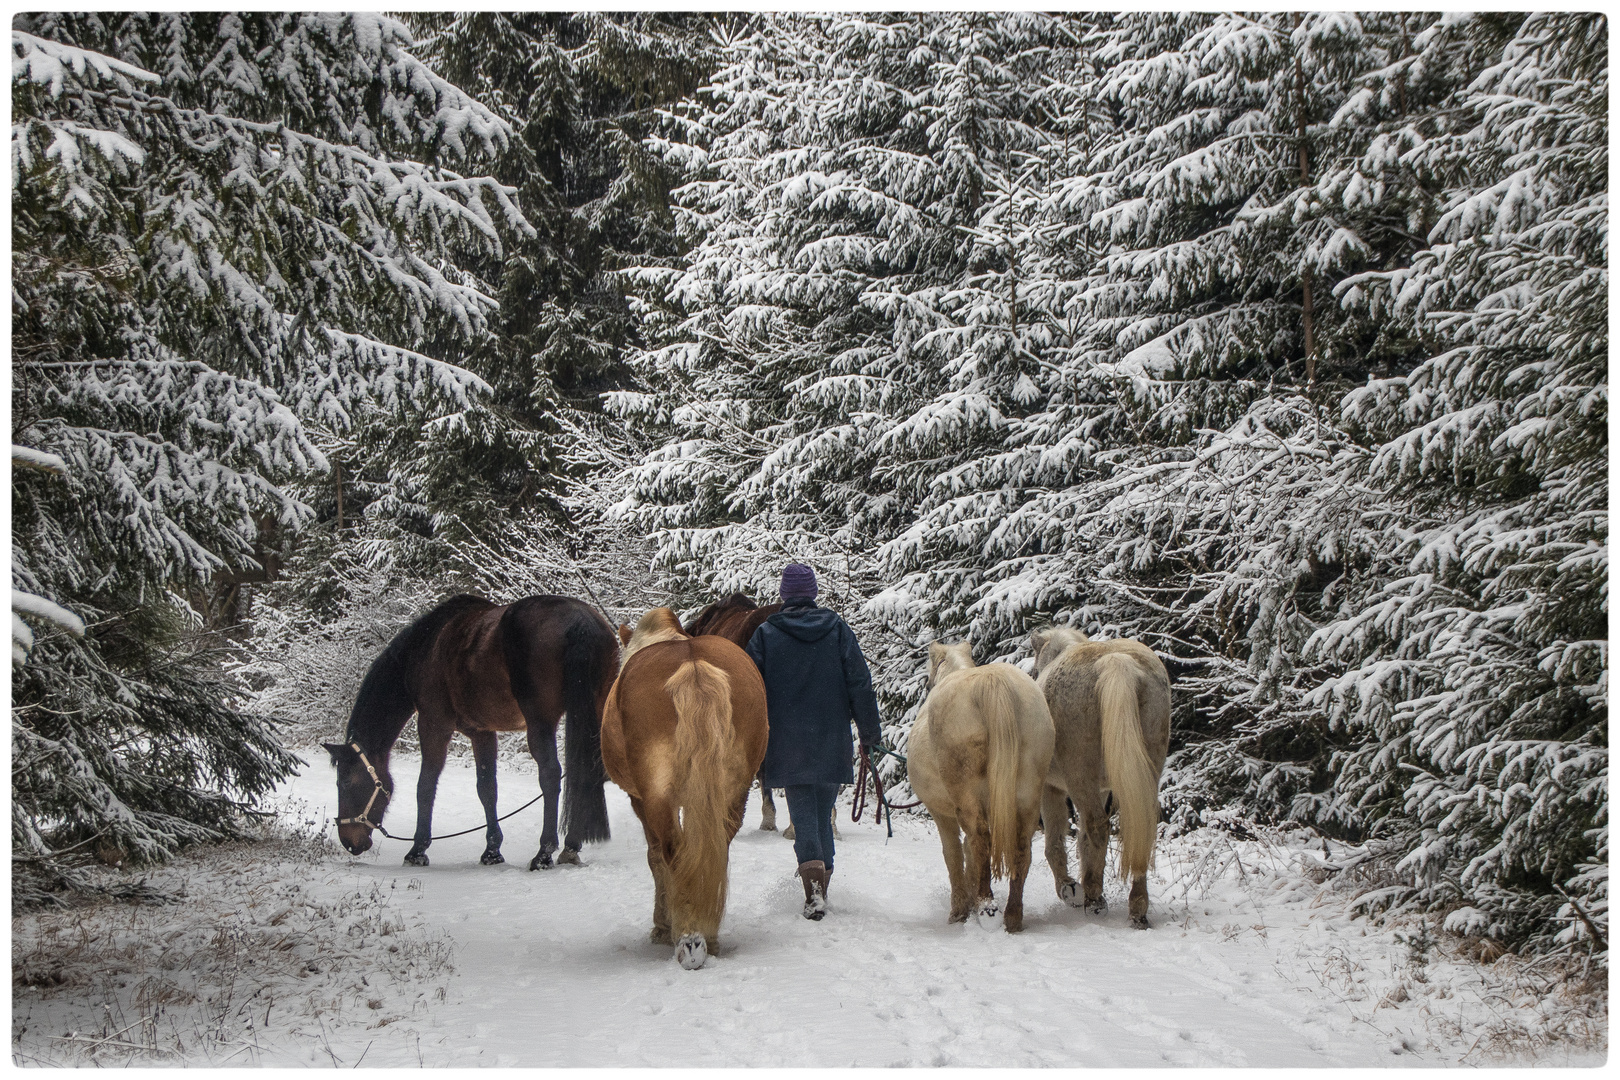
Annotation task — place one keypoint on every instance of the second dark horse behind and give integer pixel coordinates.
(480, 668)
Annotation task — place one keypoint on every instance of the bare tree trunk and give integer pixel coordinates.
(1309, 311)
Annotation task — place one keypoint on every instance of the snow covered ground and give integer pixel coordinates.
(294, 953)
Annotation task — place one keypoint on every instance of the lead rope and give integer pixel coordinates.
(364, 817)
(859, 806)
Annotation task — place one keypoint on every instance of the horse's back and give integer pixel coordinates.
(963, 715)
(639, 732)
(1070, 682)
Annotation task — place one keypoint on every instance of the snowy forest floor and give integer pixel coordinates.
(289, 952)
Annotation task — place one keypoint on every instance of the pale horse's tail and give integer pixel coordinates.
(701, 694)
(1131, 775)
(998, 707)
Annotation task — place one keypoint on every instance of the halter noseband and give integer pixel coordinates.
(364, 817)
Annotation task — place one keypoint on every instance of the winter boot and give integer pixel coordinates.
(814, 876)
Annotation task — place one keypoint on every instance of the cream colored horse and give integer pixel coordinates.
(1110, 703)
(977, 756)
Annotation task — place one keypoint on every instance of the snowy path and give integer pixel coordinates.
(294, 953)
(554, 967)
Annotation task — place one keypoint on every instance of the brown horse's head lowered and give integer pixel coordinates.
(364, 790)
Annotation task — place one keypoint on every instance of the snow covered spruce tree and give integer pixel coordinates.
(845, 330)
(1475, 631)
(578, 91)
(227, 232)
(1213, 330)
(1173, 481)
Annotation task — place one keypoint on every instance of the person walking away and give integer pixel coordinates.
(816, 682)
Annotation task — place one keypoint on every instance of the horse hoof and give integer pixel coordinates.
(1013, 926)
(1069, 893)
(570, 856)
(661, 936)
(542, 861)
(1140, 922)
(767, 826)
(787, 833)
(1098, 906)
(416, 858)
(692, 951)
(491, 858)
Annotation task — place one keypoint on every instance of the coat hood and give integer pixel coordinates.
(805, 622)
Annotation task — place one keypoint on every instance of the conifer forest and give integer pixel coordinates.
(1276, 342)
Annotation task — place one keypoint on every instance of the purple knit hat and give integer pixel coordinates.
(798, 582)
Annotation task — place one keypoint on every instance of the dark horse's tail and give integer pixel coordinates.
(589, 653)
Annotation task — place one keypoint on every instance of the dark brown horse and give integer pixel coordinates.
(735, 618)
(479, 668)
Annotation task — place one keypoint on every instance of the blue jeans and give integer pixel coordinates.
(811, 808)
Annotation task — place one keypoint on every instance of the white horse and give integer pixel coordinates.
(1110, 704)
(977, 756)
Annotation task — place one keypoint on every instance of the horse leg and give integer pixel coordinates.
(484, 748)
(1093, 847)
(1055, 824)
(767, 808)
(1013, 921)
(1139, 903)
(435, 740)
(836, 834)
(978, 865)
(950, 842)
(543, 748)
(655, 862)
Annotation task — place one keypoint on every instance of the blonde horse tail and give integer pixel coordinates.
(999, 709)
(701, 694)
(1131, 775)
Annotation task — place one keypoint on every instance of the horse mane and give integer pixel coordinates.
(384, 702)
(659, 624)
(710, 616)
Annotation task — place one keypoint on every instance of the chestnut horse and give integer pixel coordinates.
(683, 733)
(736, 618)
(480, 668)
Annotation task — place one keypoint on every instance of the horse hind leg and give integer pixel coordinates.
(543, 748)
(1055, 822)
(484, 751)
(1093, 849)
(978, 865)
(950, 842)
(767, 808)
(1017, 871)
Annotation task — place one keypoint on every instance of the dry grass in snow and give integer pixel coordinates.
(255, 958)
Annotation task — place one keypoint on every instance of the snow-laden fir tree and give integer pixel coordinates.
(845, 330)
(228, 232)
(1476, 634)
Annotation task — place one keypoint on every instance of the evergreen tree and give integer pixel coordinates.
(228, 230)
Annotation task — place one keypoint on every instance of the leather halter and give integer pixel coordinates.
(364, 817)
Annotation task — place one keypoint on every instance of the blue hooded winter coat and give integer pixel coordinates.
(816, 682)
